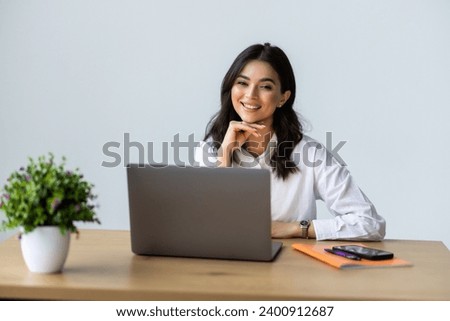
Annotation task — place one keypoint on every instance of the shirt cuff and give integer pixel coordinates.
(325, 229)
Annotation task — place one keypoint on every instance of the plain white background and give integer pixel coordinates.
(75, 75)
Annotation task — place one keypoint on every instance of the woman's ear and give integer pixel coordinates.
(284, 98)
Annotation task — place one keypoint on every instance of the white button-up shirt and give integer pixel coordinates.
(320, 177)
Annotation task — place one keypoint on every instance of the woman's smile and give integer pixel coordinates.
(256, 93)
(250, 107)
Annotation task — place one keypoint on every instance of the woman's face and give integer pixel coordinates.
(256, 93)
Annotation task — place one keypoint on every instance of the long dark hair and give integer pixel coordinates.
(286, 123)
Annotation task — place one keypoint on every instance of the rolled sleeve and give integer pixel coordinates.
(355, 216)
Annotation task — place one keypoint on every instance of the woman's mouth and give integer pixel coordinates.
(250, 107)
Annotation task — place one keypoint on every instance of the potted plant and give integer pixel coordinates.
(44, 200)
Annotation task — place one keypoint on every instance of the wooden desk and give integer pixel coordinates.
(101, 266)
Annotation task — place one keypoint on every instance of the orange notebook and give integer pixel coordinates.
(318, 251)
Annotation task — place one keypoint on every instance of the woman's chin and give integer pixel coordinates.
(250, 119)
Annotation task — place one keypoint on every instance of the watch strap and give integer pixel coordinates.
(304, 227)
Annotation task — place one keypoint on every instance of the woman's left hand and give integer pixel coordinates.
(284, 230)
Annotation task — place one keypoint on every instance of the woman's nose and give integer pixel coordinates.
(251, 92)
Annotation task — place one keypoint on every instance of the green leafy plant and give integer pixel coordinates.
(45, 193)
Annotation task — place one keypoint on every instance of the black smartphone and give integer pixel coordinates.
(365, 252)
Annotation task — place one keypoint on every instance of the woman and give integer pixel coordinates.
(257, 127)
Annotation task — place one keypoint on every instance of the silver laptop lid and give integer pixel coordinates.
(200, 212)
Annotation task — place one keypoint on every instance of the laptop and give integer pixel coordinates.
(218, 213)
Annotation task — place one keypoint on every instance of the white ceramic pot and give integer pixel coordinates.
(45, 249)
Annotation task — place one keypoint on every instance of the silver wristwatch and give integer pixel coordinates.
(304, 226)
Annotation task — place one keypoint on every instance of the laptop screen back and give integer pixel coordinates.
(200, 212)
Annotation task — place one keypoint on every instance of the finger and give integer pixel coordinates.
(259, 125)
(255, 125)
(246, 126)
(243, 127)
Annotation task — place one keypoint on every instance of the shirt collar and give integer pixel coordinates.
(244, 159)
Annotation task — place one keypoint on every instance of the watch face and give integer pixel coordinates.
(304, 223)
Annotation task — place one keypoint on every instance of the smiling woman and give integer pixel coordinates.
(259, 82)
(257, 93)
(258, 127)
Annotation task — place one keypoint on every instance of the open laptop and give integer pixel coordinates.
(221, 213)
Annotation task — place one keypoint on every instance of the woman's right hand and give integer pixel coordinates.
(237, 134)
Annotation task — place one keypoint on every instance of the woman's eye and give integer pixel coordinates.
(241, 83)
(267, 87)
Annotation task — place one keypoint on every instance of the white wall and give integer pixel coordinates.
(77, 74)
